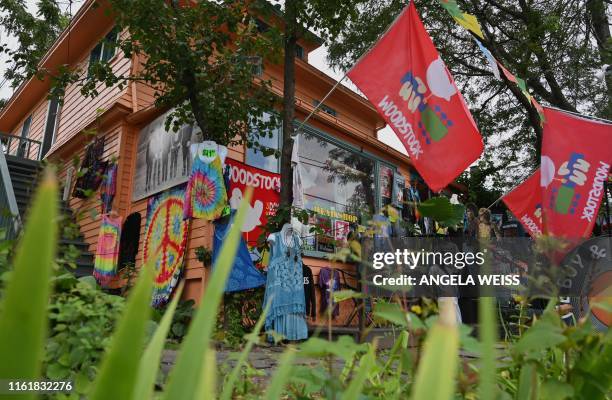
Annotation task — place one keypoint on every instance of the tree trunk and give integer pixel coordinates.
(601, 28)
(286, 194)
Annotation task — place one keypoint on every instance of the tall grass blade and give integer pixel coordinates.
(487, 329)
(23, 311)
(187, 371)
(119, 368)
(281, 375)
(151, 359)
(435, 377)
(529, 384)
(230, 383)
(207, 387)
(365, 368)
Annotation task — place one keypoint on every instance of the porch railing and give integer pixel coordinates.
(21, 147)
(9, 213)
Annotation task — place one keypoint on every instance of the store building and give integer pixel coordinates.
(347, 171)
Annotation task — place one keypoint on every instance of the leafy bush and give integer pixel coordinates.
(240, 312)
(82, 319)
(180, 319)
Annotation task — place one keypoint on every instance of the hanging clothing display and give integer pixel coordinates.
(165, 241)
(92, 169)
(109, 188)
(206, 194)
(284, 286)
(309, 292)
(107, 250)
(329, 283)
(243, 275)
(298, 188)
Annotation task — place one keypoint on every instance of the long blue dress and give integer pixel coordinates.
(285, 290)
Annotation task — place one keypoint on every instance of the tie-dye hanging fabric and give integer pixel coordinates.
(108, 188)
(206, 196)
(107, 251)
(165, 241)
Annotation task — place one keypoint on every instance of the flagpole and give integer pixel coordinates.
(513, 187)
(318, 106)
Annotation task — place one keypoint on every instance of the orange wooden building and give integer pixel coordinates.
(348, 123)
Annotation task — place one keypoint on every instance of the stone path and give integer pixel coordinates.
(263, 358)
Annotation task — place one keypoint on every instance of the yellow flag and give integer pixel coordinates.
(469, 22)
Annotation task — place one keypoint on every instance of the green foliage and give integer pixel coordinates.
(199, 58)
(23, 310)
(34, 34)
(240, 311)
(82, 319)
(435, 377)
(230, 382)
(204, 255)
(151, 358)
(189, 369)
(181, 319)
(119, 368)
(440, 209)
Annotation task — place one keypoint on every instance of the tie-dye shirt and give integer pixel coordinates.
(206, 196)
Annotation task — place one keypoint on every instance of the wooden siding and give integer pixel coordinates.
(78, 112)
(87, 211)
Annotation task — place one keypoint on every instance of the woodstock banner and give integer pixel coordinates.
(525, 202)
(408, 83)
(576, 157)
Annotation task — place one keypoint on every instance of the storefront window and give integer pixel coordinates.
(385, 179)
(339, 185)
(255, 156)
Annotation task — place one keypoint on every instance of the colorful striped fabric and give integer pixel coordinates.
(206, 196)
(108, 188)
(107, 251)
(165, 241)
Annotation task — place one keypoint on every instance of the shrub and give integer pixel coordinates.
(82, 319)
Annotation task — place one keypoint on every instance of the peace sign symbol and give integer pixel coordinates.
(165, 241)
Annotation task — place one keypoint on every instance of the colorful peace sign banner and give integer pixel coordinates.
(166, 241)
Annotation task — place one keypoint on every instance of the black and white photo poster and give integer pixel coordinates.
(163, 159)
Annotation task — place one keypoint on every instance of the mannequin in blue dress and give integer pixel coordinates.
(285, 287)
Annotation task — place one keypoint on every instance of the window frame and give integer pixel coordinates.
(279, 147)
(97, 53)
(310, 130)
(55, 125)
(22, 145)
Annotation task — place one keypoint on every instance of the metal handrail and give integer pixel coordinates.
(21, 147)
(10, 220)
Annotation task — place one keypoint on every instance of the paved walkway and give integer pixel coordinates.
(263, 358)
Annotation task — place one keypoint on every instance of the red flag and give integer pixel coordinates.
(410, 86)
(525, 202)
(576, 156)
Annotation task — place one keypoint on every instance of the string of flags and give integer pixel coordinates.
(405, 79)
(470, 22)
(562, 197)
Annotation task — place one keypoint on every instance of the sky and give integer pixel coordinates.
(318, 58)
